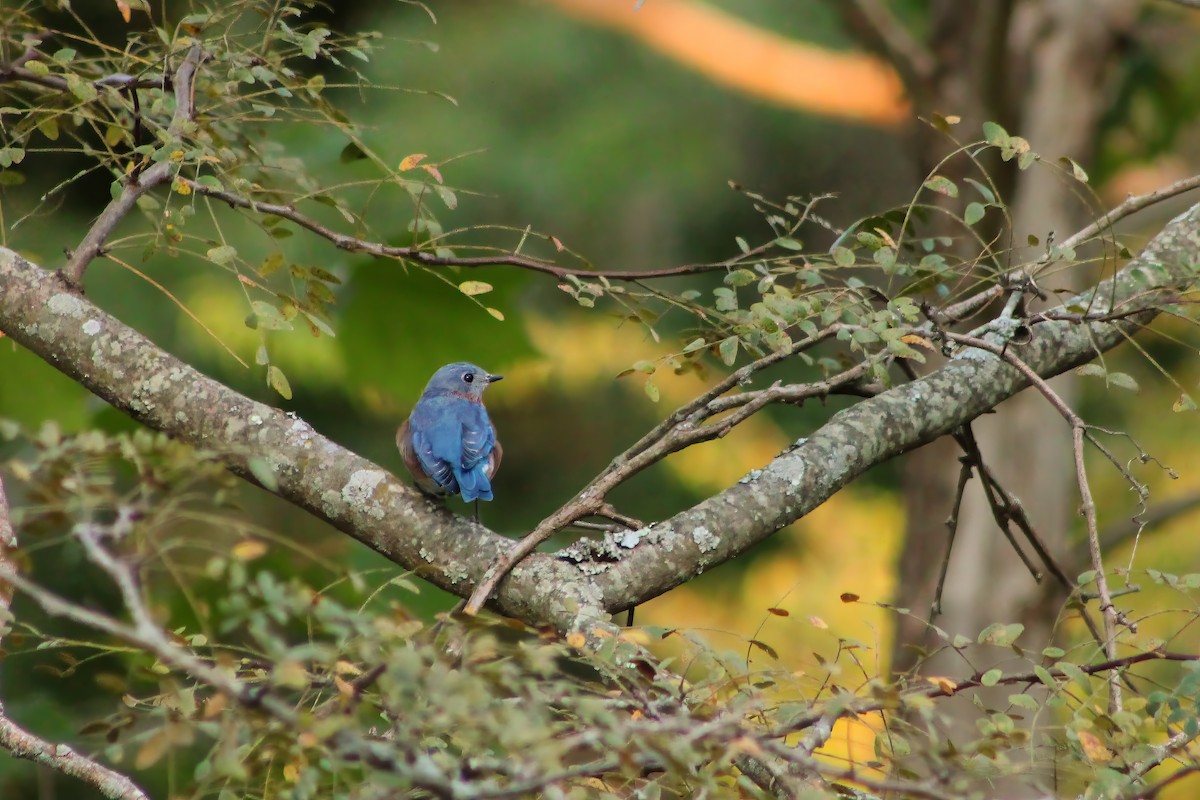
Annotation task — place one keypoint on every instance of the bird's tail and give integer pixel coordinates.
(474, 483)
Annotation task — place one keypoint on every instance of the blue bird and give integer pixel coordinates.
(448, 442)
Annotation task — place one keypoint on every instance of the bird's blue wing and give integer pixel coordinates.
(478, 442)
(437, 468)
(455, 442)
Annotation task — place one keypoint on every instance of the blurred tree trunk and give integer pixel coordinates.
(1042, 70)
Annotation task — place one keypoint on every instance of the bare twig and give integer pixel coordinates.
(426, 258)
(23, 744)
(870, 705)
(964, 475)
(1130, 205)
(16, 73)
(681, 429)
(136, 186)
(1108, 611)
(1121, 531)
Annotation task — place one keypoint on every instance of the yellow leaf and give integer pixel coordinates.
(150, 752)
(576, 640)
(495, 312)
(472, 288)
(214, 706)
(248, 550)
(1093, 748)
(343, 667)
(920, 341)
(344, 687)
(945, 684)
(411, 161)
(292, 674)
(291, 773)
(817, 622)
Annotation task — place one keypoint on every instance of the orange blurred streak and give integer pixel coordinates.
(847, 86)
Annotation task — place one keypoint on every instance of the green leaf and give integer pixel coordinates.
(695, 344)
(652, 391)
(995, 134)
(1086, 577)
(789, 243)
(1184, 403)
(448, 197)
(942, 185)
(991, 677)
(983, 189)
(1044, 675)
(49, 128)
(843, 257)
(974, 213)
(647, 367)
(1077, 171)
(1123, 380)
(317, 324)
(279, 382)
(222, 255)
(262, 472)
(210, 182)
(267, 317)
(1024, 701)
(1000, 634)
(81, 88)
(351, 153)
(1074, 673)
(728, 350)
(740, 277)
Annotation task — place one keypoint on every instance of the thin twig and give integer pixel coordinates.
(1108, 611)
(1130, 205)
(16, 73)
(93, 241)
(682, 429)
(964, 475)
(426, 258)
(23, 744)
(870, 705)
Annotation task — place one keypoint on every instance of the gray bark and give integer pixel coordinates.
(121, 366)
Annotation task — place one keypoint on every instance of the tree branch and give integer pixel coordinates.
(23, 744)
(426, 258)
(138, 184)
(130, 372)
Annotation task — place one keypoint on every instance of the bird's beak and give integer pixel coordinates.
(494, 378)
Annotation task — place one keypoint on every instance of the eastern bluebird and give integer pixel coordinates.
(448, 442)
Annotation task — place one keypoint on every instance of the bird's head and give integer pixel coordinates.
(461, 378)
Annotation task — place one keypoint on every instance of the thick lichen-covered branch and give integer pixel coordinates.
(287, 456)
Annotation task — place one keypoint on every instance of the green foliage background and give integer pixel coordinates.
(554, 126)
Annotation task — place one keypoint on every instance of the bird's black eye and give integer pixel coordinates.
(468, 377)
